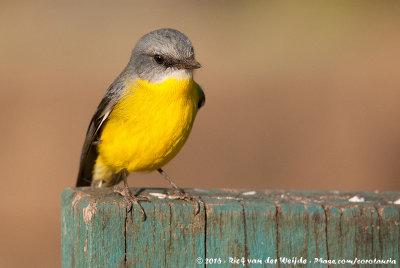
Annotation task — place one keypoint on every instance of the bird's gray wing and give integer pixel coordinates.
(89, 151)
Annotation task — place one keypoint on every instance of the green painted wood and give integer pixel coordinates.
(301, 232)
(234, 227)
(261, 229)
(225, 233)
(86, 217)
(169, 228)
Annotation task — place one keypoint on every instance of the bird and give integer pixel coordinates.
(145, 116)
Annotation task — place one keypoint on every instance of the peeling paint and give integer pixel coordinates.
(159, 195)
(249, 193)
(78, 197)
(88, 212)
(357, 199)
(86, 245)
(227, 197)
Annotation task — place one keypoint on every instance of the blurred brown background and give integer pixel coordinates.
(299, 96)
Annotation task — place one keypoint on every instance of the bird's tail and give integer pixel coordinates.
(88, 160)
(85, 177)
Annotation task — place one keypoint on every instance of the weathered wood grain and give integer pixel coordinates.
(233, 228)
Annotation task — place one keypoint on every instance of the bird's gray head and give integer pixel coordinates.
(163, 54)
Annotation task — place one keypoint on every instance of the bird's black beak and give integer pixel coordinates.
(191, 64)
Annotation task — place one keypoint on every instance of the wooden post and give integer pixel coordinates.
(254, 228)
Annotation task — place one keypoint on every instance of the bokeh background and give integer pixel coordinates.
(299, 96)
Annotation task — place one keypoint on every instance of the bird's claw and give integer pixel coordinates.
(180, 195)
(131, 199)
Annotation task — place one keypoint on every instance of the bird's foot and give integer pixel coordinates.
(179, 194)
(131, 199)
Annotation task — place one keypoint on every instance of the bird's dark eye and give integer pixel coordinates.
(159, 59)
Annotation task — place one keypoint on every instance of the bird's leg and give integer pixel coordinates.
(128, 196)
(177, 190)
(179, 193)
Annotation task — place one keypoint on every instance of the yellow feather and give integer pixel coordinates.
(147, 127)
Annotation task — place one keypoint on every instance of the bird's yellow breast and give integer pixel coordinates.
(149, 125)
